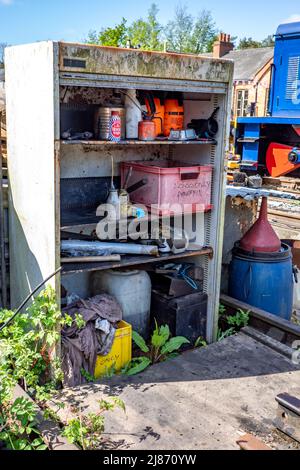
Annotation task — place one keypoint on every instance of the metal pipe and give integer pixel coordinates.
(74, 247)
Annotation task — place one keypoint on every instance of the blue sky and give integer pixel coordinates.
(24, 21)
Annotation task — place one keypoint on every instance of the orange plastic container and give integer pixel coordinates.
(159, 117)
(174, 116)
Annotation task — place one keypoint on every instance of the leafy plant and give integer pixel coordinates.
(200, 343)
(225, 334)
(240, 319)
(18, 426)
(27, 348)
(222, 309)
(161, 348)
(234, 322)
(86, 430)
(89, 378)
(136, 366)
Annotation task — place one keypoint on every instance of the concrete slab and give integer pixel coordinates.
(204, 399)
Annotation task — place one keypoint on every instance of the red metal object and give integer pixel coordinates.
(261, 238)
(147, 130)
(277, 160)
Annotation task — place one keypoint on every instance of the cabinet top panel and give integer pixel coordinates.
(130, 62)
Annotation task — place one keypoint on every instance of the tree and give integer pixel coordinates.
(179, 31)
(115, 36)
(2, 48)
(249, 43)
(204, 33)
(146, 34)
(183, 34)
(186, 34)
(268, 42)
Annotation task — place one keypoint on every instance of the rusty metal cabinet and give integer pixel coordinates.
(40, 79)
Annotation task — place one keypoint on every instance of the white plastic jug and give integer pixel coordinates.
(132, 289)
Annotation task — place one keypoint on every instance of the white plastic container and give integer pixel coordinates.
(132, 289)
(296, 302)
(133, 114)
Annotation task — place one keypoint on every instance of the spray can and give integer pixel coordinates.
(115, 131)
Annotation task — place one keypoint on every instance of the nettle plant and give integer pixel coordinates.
(27, 348)
(161, 348)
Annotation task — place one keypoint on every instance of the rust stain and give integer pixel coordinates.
(110, 60)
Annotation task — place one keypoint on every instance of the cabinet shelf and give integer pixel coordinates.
(127, 261)
(108, 143)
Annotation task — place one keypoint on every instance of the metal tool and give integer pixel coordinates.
(288, 415)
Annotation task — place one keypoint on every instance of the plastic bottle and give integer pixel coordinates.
(133, 114)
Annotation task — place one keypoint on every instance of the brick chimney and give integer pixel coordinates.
(222, 46)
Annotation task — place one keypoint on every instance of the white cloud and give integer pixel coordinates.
(292, 19)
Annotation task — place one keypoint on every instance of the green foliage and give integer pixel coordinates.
(162, 347)
(18, 425)
(191, 35)
(200, 343)
(225, 334)
(26, 347)
(147, 33)
(86, 430)
(26, 358)
(249, 43)
(3, 45)
(222, 309)
(80, 322)
(89, 378)
(114, 36)
(136, 366)
(140, 342)
(240, 319)
(27, 344)
(234, 322)
(184, 33)
(173, 345)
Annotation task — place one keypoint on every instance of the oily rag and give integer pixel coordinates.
(80, 347)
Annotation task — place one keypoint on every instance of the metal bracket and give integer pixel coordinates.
(288, 415)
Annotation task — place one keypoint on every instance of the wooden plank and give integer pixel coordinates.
(137, 142)
(259, 314)
(128, 261)
(250, 442)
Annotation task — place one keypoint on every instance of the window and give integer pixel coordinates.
(242, 103)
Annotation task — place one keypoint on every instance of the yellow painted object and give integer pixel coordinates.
(232, 165)
(120, 354)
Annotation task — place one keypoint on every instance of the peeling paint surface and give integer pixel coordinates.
(112, 60)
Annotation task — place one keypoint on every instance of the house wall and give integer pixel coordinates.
(258, 90)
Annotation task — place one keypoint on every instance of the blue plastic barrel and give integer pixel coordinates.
(263, 280)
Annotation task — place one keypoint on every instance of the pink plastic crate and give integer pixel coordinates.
(169, 183)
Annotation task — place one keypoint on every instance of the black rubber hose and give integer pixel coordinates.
(28, 298)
